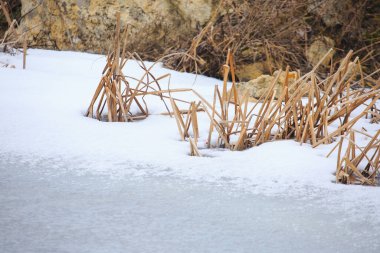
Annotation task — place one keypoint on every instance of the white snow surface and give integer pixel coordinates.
(42, 117)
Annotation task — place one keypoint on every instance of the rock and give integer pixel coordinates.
(89, 25)
(256, 88)
(250, 71)
(318, 49)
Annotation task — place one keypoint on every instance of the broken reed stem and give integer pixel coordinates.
(25, 48)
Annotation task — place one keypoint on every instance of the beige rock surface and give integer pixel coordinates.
(258, 87)
(318, 49)
(89, 24)
(250, 71)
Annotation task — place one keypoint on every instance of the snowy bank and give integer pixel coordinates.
(42, 108)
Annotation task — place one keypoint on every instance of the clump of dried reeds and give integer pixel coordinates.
(114, 90)
(355, 164)
(329, 100)
(304, 115)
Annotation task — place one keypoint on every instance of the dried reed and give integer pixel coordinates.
(304, 110)
(115, 92)
(355, 164)
(304, 115)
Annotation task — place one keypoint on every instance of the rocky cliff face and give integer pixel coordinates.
(89, 24)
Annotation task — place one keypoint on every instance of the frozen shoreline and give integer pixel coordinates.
(47, 209)
(42, 111)
(48, 148)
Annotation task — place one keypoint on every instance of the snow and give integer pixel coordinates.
(49, 150)
(42, 111)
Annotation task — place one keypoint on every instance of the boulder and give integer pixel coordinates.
(250, 71)
(258, 87)
(318, 49)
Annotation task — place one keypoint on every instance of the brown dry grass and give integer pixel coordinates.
(305, 115)
(276, 33)
(355, 164)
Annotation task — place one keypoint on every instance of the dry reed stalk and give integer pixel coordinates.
(180, 123)
(184, 125)
(25, 48)
(181, 111)
(194, 151)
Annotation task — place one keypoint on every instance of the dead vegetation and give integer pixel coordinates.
(355, 164)
(312, 109)
(13, 38)
(329, 101)
(305, 115)
(279, 36)
(250, 37)
(124, 102)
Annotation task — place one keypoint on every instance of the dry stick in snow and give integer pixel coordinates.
(25, 48)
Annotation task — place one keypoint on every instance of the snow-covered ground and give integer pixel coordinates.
(42, 128)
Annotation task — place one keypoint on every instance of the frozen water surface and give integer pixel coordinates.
(44, 210)
(73, 184)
